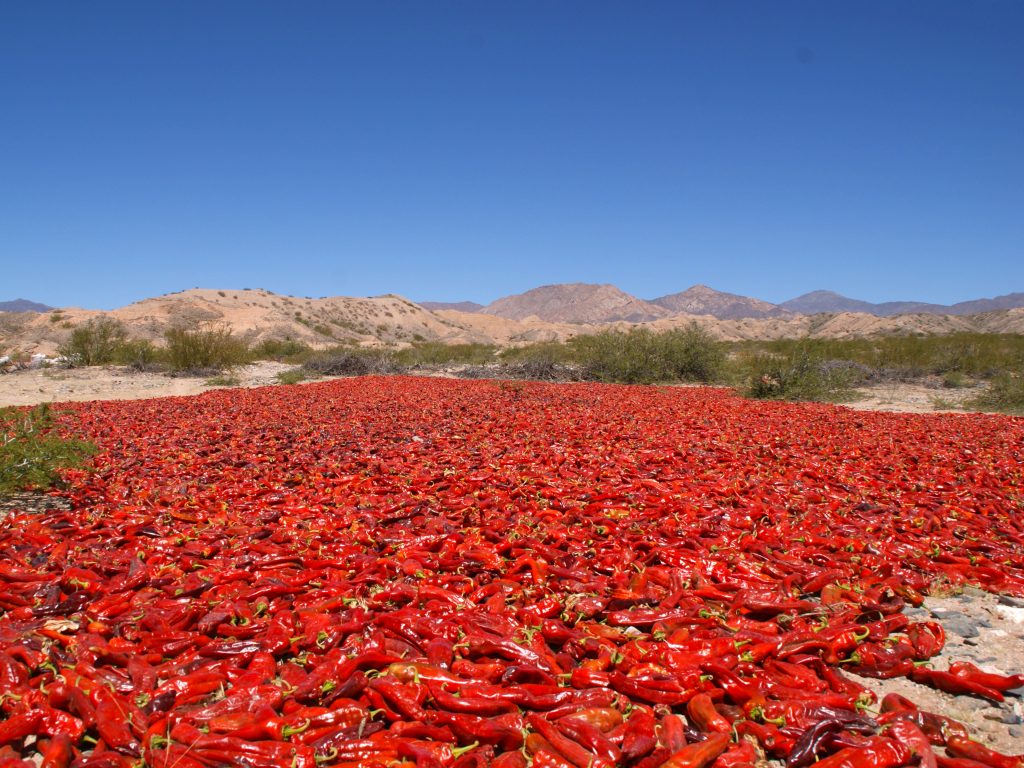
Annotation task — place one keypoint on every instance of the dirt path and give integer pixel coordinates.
(110, 383)
(904, 397)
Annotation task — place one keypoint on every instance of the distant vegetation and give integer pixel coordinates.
(200, 351)
(642, 356)
(829, 369)
(636, 357)
(1005, 393)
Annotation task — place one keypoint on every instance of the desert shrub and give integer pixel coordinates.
(292, 376)
(641, 356)
(95, 342)
(1004, 393)
(955, 380)
(543, 369)
(282, 350)
(439, 353)
(139, 354)
(204, 349)
(903, 357)
(32, 454)
(801, 374)
(347, 361)
(542, 351)
(223, 380)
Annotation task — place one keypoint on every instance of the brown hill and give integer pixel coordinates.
(253, 314)
(258, 315)
(817, 302)
(576, 303)
(23, 305)
(702, 300)
(585, 303)
(458, 306)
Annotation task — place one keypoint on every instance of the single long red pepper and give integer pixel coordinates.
(960, 746)
(701, 711)
(951, 683)
(908, 733)
(972, 673)
(638, 735)
(874, 752)
(700, 754)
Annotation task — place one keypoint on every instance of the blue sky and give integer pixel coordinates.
(469, 150)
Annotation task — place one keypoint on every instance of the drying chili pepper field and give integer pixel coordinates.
(426, 572)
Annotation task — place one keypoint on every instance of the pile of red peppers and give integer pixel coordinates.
(423, 572)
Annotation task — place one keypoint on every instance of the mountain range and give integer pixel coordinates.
(23, 305)
(589, 303)
(548, 313)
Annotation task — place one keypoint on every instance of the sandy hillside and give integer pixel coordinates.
(259, 314)
(255, 314)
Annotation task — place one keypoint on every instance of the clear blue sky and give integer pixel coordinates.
(468, 150)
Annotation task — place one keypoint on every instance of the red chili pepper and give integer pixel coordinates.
(768, 735)
(59, 753)
(638, 735)
(909, 734)
(469, 704)
(605, 719)
(970, 672)
(701, 711)
(957, 762)
(19, 726)
(737, 755)
(736, 689)
(504, 732)
(950, 683)
(590, 737)
(672, 733)
(960, 746)
(510, 760)
(571, 750)
(700, 754)
(875, 752)
(927, 637)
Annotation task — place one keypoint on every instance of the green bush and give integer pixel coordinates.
(1004, 393)
(31, 453)
(955, 380)
(293, 376)
(980, 355)
(349, 361)
(438, 353)
(800, 374)
(139, 354)
(202, 350)
(95, 343)
(641, 356)
(282, 350)
(543, 352)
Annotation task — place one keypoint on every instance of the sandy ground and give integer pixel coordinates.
(110, 383)
(906, 397)
(987, 630)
